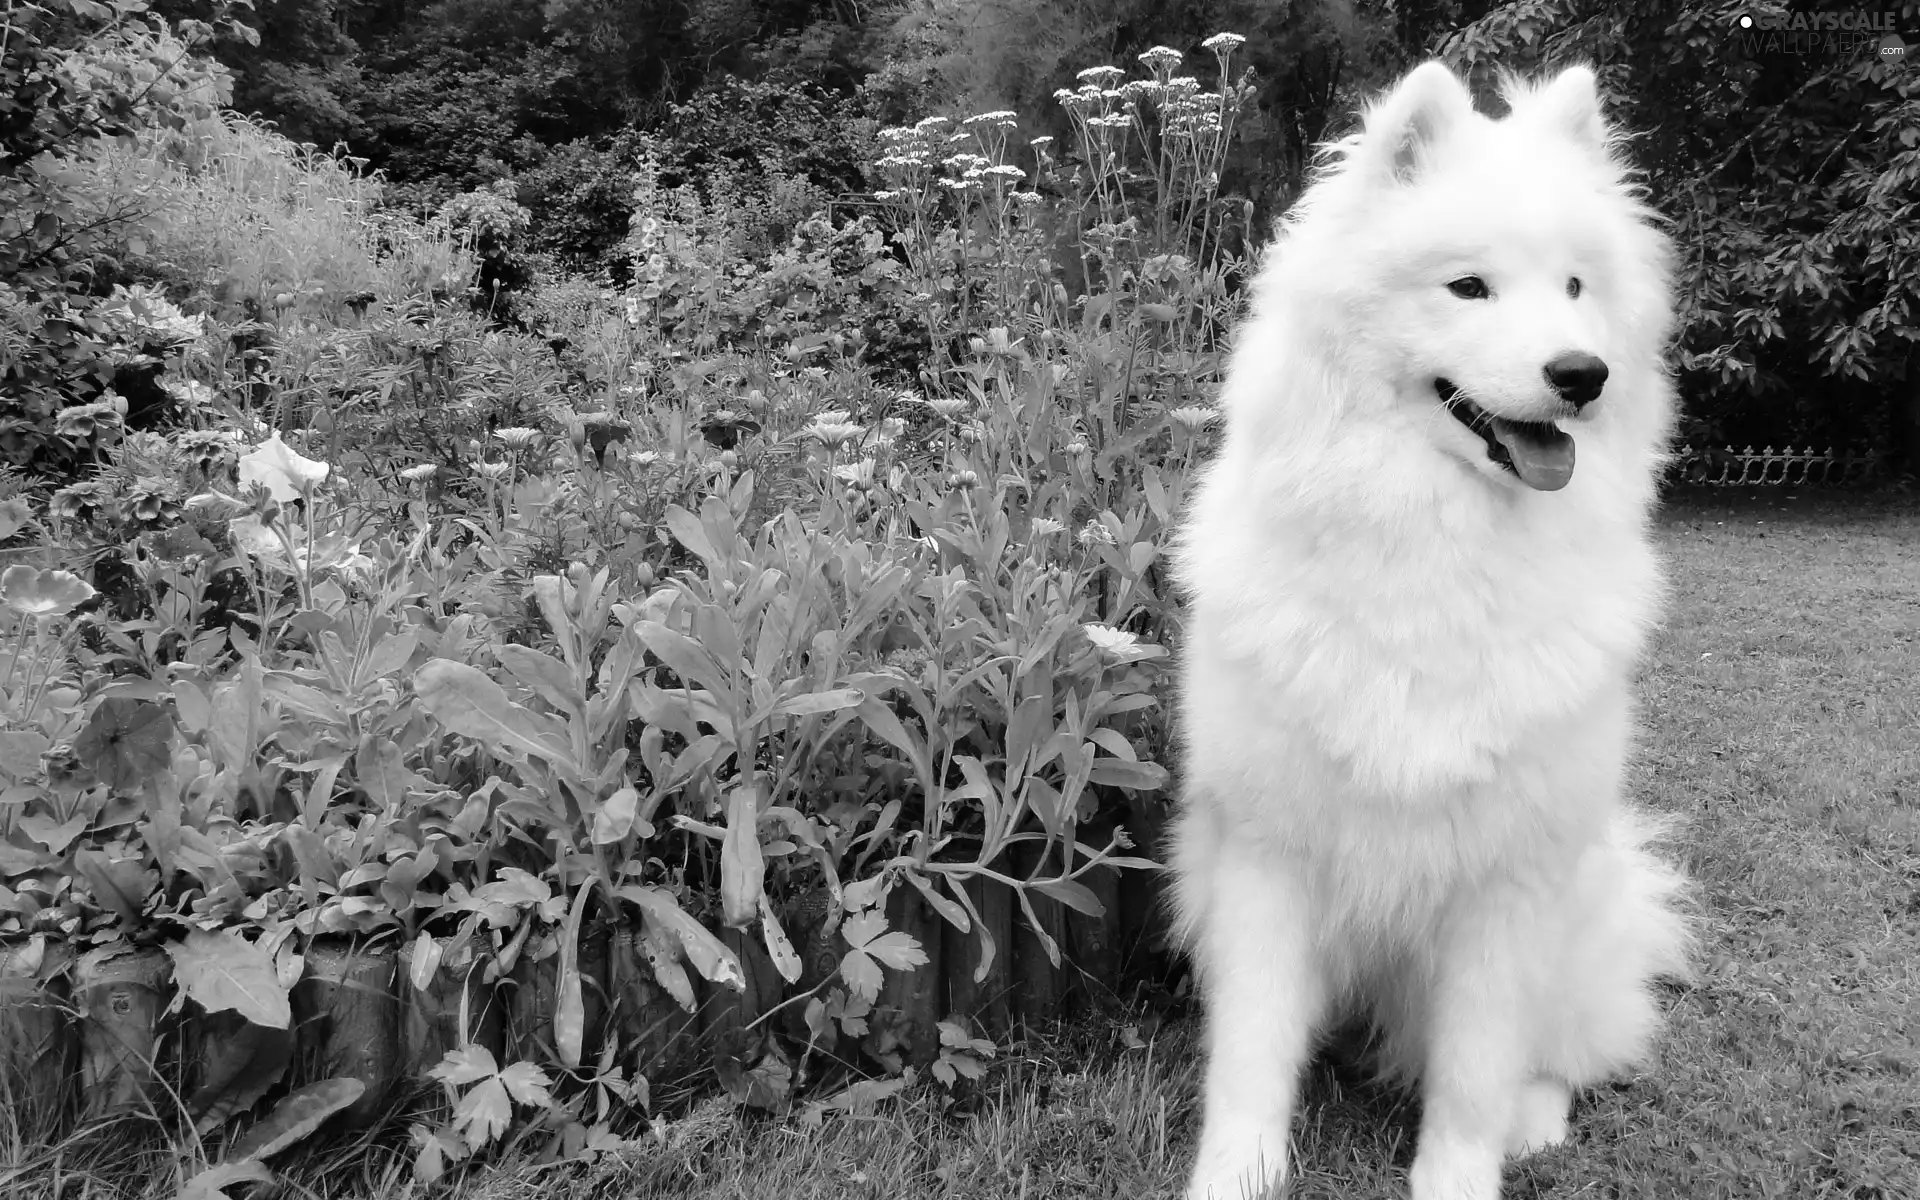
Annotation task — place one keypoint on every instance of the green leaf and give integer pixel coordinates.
(465, 1064)
(211, 1184)
(861, 973)
(808, 704)
(251, 1061)
(483, 1113)
(316, 862)
(881, 720)
(614, 818)
(126, 742)
(543, 674)
(1113, 742)
(955, 915)
(688, 531)
(468, 702)
(742, 867)
(1073, 894)
(294, 1118)
(898, 950)
(527, 1084)
(870, 946)
(1135, 776)
(569, 1009)
(691, 662)
(393, 653)
(708, 954)
(222, 972)
(779, 948)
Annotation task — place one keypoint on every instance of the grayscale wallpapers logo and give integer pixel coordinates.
(1844, 33)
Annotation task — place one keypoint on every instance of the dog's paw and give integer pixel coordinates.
(1456, 1170)
(1245, 1168)
(1539, 1117)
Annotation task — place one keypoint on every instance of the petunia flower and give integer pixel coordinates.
(36, 593)
(285, 474)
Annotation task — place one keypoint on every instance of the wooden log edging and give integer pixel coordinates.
(88, 1036)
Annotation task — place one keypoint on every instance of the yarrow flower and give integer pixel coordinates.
(1162, 58)
(1001, 117)
(1223, 43)
(1101, 75)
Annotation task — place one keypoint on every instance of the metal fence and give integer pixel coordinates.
(1724, 466)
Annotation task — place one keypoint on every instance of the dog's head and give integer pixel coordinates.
(1505, 278)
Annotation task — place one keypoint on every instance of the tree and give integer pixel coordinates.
(1789, 161)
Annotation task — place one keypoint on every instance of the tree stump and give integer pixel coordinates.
(984, 1001)
(905, 1023)
(455, 1008)
(37, 1038)
(347, 1010)
(121, 994)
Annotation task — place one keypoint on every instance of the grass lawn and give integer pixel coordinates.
(1782, 714)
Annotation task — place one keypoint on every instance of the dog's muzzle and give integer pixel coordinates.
(1539, 453)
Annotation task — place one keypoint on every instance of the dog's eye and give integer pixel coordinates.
(1469, 287)
(1574, 287)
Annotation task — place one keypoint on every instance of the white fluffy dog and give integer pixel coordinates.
(1412, 632)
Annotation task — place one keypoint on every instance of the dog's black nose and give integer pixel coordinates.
(1577, 377)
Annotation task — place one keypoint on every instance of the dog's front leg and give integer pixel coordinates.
(1478, 1040)
(1264, 991)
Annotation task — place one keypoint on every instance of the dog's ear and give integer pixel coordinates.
(1405, 127)
(1570, 106)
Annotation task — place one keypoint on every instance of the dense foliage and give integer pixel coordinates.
(813, 567)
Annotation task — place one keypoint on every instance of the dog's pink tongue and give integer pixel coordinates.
(1542, 455)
